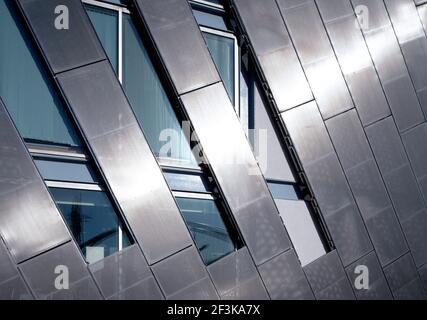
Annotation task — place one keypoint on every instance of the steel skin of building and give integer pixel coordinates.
(345, 85)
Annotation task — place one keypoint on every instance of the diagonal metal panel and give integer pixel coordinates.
(105, 117)
(180, 44)
(239, 177)
(29, 220)
(273, 47)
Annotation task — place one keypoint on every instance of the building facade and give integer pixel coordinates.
(213, 149)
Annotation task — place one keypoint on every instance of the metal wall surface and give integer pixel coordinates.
(347, 80)
(104, 116)
(361, 142)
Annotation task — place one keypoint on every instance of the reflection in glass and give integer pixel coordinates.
(69, 171)
(93, 222)
(105, 23)
(207, 228)
(222, 52)
(149, 101)
(26, 89)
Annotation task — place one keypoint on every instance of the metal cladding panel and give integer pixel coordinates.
(285, 279)
(423, 274)
(29, 220)
(378, 287)
(120, 271)
(250, 290)
(118, 144)
(415, 141)
(181, 271)
(236, 170)
(391, 66)
(264, 24)
(404, 280)
(404, 192)
(387, 236)
(349, 234)
(368, 188)
(354, 59)
(415, 231)
(412, 39)
(324, 272)
(386, 145)
(179, 42)
(349, 139)
(201, 290)
(276, 54)
(7, 267)
(59, 45)
(314, 147)
(340, 290)
(147, 289)
(41, 273)
(317, 57)
(233, 271)
(84, 289)
(14, 289)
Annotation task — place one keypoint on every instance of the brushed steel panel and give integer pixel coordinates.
(233, 271)
(29, 220)
(415, 232)
(59, 46)
(349, 234)
(324, 272)
(285, 279)
(236, 171)
(126, 160)
(387, 236)
(276, 54)
(356, 64)
(181, 271)
(120, 271)
(40, 272)
(180, 43)
(317, 57)
(378, 287)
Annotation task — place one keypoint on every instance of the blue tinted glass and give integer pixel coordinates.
(150, 103)
(92, 220)
(222, 52)
(26, 90)
(207, 228)
(105, 23)
(283, 191)
(66, 171)
(187, 182)
(210, 20)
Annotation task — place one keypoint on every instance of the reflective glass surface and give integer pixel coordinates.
(149, 101)
(222, 52)
(207, 228)
(105, 23)
(283, 191)
(66, 171)
(208, 19)
(26, 88)
(93, 222)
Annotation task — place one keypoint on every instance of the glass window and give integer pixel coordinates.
(207, 228)
(143, 87)
(150, 102)
(105, 23)
(283, 191)
(208, 19)
(26, 89)
(93, 222)
(190, 182)
(70, 171)
(222, 52)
